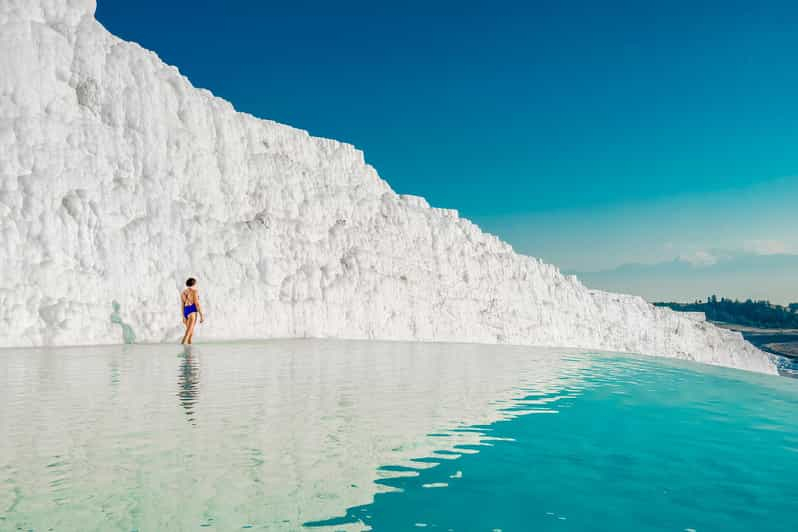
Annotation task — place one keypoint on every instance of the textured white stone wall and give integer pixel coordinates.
(119, 179)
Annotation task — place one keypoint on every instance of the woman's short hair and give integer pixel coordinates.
(191, 281)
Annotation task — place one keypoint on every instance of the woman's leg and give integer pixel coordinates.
(192, 320)
(189, 328)
(185, 334)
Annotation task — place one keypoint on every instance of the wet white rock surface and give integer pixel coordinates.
(119, 179)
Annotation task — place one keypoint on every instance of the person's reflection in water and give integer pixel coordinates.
(188, 382)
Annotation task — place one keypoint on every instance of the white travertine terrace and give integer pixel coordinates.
(119, 179)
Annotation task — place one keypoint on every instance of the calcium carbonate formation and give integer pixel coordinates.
(119, 179)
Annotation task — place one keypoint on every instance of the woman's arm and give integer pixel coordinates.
(199, 307)
(182, 305)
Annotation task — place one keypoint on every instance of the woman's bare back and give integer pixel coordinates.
(189, 297)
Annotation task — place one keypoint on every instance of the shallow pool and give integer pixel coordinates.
(390, 436)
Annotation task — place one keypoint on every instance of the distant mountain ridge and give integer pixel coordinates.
(738, 275)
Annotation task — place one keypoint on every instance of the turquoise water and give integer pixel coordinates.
(643, 445)
(390, 436)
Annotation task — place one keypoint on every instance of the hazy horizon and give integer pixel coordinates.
(721, 274)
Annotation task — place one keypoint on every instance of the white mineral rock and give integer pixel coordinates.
(119, 179)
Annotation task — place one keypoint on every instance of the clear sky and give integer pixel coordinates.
(591, 134)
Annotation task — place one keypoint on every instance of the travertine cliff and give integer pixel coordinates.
(119, 179)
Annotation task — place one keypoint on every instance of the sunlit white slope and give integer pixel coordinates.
(118, 179)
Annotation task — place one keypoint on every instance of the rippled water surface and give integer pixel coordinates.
(287, 435)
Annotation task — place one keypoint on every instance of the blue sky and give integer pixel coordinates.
(591, 134)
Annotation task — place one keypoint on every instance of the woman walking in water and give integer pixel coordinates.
(190, 305)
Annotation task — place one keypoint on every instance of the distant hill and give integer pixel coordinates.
(762, 314)
(734, 274)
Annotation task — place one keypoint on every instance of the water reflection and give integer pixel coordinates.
(297, 431)
(441, 467)
(188, 382)
(291, 431)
